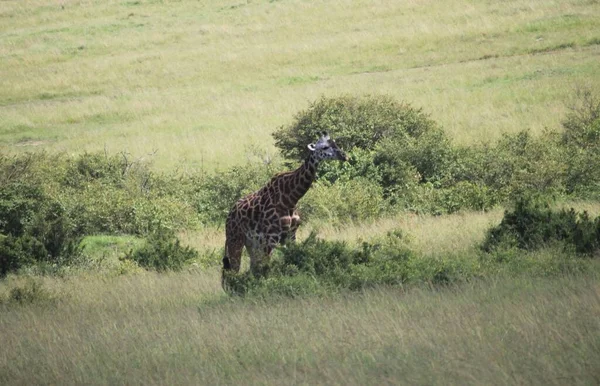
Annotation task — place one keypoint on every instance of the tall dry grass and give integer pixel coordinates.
(177, 329)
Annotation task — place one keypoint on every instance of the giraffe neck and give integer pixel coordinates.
(296, 184)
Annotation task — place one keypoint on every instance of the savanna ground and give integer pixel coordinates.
(201, 86)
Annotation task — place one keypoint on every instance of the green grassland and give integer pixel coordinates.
(184, 78)
(200, 86)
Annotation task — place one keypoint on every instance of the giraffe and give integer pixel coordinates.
(267, 217)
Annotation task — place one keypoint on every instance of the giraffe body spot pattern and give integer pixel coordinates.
(263, 219)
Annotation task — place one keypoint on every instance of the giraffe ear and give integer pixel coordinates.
(311, 147)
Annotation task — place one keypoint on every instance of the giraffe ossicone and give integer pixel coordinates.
(267, 217)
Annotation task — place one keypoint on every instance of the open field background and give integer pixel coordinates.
(201, 83)
(201, 86)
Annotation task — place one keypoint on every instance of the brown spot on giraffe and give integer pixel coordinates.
(267, 217)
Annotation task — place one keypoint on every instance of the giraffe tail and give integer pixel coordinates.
(226, 263)
(226, 268)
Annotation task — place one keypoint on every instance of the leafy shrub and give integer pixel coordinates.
(533, 225)
(17, 252)
(391, 144)
(217, 193)
(35, 225)
(354, 122)
(29, 292)
(319, 266)
(162, 252)
(360, 164)
(581, 140)
(344, 201)
(382, 132)
(467, 195)
(583, 173)
(582, 124)
(517, 164)
(111, 170)
(48, 203)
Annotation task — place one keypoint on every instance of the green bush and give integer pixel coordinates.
(31, 291)
(35, 224)
(382, 132)
(582, 125)
(22, 193)
(354, 122)
(162, 252)
(581, 140)
(316, 266)
(90, 167)
(517, 164)
(49, 202)
(17, 252)
(391, 144)
(532, 225)
(344, 201)
(467, 195)
(216, 194)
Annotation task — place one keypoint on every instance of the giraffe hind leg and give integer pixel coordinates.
(260, 254)
(233, 256)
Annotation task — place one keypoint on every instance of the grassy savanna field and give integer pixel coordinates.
(201, 82)
(201, 86)
(155, 329)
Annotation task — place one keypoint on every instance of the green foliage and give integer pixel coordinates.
(399, 160)
(354, 122)
(35, 224)
(112, 170)
(417, 168)
(344, 201)
(426, 198)
(519, 163)
(16, 252)
(317, 266)
(533, 225)
(48, 203)
(581, 125)
(581, 139)
(216, 194)
(31, 291)
(390, 144)
(162, 252)
(393, 142)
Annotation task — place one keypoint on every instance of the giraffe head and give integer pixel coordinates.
(326, 148)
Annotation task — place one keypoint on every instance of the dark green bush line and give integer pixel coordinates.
(48, 203)
(31, 291)
(162, 252)
(532, 225)
(318, 267)
(400, 160)
(406, 162)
